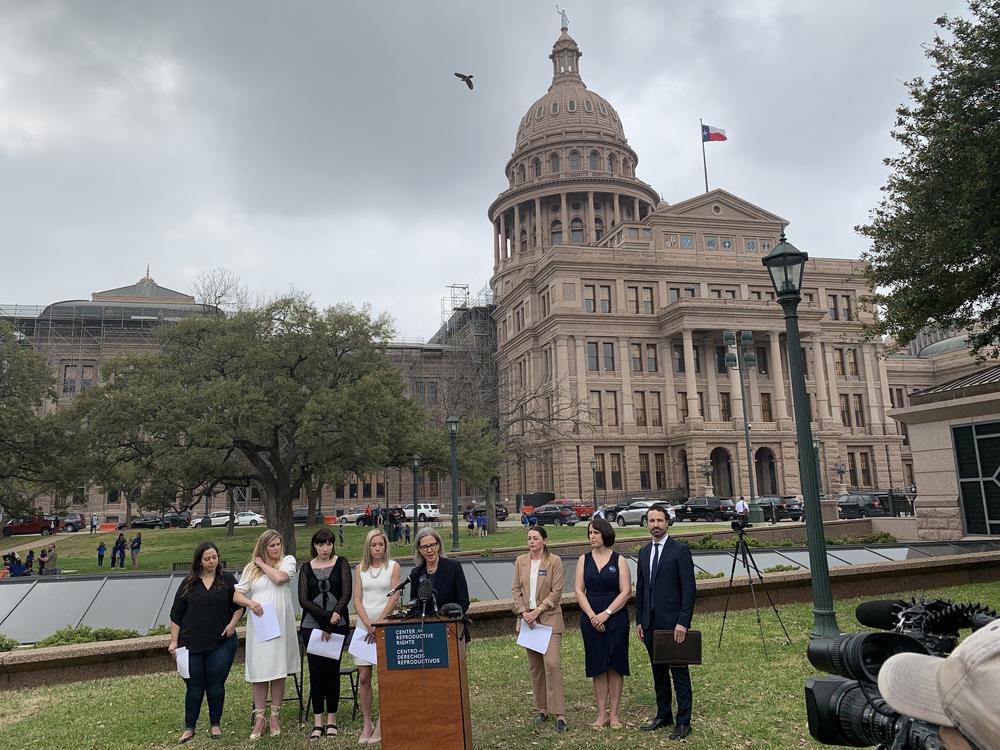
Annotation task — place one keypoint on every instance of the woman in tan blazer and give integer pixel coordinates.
(537, 588)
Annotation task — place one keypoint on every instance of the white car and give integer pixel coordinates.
(425, 511)
(354, 515)
(636, 513)
(248, 518)
(218, 518)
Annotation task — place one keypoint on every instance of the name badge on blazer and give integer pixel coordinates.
(542, 573)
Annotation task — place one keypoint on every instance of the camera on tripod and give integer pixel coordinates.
(739, 524)
(847, 708)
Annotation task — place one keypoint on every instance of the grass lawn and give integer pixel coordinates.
(163, 547)
(742, 698)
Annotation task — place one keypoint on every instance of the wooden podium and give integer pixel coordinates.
(423, 684)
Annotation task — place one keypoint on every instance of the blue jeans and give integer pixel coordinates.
(209, 670)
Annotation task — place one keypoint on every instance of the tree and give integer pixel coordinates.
(935, 253)
(274, 396)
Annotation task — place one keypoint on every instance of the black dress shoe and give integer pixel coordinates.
(540, 717)
(656, 723)
(680, 731)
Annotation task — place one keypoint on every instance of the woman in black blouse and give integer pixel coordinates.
(325, 587)
(203, 620)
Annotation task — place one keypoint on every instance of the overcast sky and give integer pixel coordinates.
(326, 146)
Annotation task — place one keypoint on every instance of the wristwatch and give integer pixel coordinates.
(608, 612)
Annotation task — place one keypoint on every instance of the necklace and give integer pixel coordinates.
(374, 572)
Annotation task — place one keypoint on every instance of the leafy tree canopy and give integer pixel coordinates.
(935, 253)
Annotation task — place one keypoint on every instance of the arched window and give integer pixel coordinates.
(554, 164)
(524, 241)
(555, 233)
(611, 163)
(595, 161)
(598, 229)
(626, 167)
(520, 174)
(587, 105)
(538, 167)
(574, 160)
(555, 108)
(576, 232)
(571, 105)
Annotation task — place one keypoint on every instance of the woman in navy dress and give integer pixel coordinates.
(603, 586)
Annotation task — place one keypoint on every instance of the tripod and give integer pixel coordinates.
(743, 553)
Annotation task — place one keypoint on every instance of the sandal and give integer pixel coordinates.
(258, 718)
(185, 737)
(316, 733)
(215, 732)
(331, 730)
(275, 711)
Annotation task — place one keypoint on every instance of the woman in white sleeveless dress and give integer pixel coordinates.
(374, 578)
(268, 579)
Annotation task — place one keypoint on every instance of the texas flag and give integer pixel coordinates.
(708, 133)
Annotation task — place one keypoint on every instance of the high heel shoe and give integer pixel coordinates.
(275, 710)
(258, 718)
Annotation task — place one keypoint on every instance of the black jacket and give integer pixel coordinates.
(670, 596)
(450, 586)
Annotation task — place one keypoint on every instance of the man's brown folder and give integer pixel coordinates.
(667, 651)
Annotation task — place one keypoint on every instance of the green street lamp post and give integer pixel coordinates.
(415, 465)
(593, 471)
(743, 360)
(786, 264)
(452, 423)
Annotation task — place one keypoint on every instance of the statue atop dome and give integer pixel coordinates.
(563, 18)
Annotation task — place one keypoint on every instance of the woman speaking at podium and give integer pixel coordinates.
(446, 576)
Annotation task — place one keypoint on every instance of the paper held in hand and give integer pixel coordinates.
(265, 627)
(361, 648)
(330, 649)
(536, 638)
(183, 662)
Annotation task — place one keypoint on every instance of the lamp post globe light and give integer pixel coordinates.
(452, 423)
(593, 471)
(415, 465)
(786, 265)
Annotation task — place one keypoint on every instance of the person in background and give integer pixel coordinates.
(324, 594)
(118, 551)
(53, 560)
(603, 587)
(102, 548)
(266, 580)
(203, 620)
(93, 523)
(135, 546)
(374, 578)
(29, 561)
(406, 534)
(537, 589)
(471, 515)
(742, 509)
(446, 576)
(43, 558)
(340, 533)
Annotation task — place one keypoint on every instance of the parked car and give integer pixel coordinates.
(784, 506)
(636, 513)
(860, 505)
(249, 518)
(502, 513)
(354, 515)
(611, 511)
(180, 519)
(217, 517)
(584, 510)
(300, 515)
(707, 508)
(69, 522)
(148, 521)
(31, 525)
(555, 514)
(425, 512)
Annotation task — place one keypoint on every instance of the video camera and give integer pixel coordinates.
(738, 524)
(847, 709)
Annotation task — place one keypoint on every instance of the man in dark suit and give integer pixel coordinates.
(664, 600)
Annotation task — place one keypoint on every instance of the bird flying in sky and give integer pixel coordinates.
(467, 78)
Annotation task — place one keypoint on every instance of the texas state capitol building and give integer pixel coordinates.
(608, 296)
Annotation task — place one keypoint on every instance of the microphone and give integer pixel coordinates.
(400, 587)
(880, 613)
(425, 590)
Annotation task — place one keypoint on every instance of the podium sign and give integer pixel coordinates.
(417, 646)
(423, 685)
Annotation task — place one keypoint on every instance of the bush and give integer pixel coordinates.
(8, 644)
(159, 630)
(781, 568)
(488, 552)
(701, 575)
(69, 636)
(881, 538)
(710, 542)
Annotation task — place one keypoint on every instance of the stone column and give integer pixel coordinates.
(618, 215)
(636, 209)
(834, 388)
(564, 218)
(712, 407)
(503, 236)
(591, 229)
(539, 236)
(516, 243)
(690, 382)
(891, 428)
(778, 378)
(627, 414)
(876, 416)
(496, 244)
(822, 401)
(666, 360)
(736, 397)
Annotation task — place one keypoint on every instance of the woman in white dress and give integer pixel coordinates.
(374, 578)
(267, 579)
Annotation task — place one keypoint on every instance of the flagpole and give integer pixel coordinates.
(704, 163)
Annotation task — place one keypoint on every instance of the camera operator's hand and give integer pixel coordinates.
(952, 739)
(680, 633)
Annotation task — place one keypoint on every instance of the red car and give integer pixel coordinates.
(30, 525)
(582, 509)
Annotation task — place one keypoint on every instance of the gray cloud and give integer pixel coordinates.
(326, 145)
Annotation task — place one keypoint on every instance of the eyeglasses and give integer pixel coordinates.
(429, 547)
